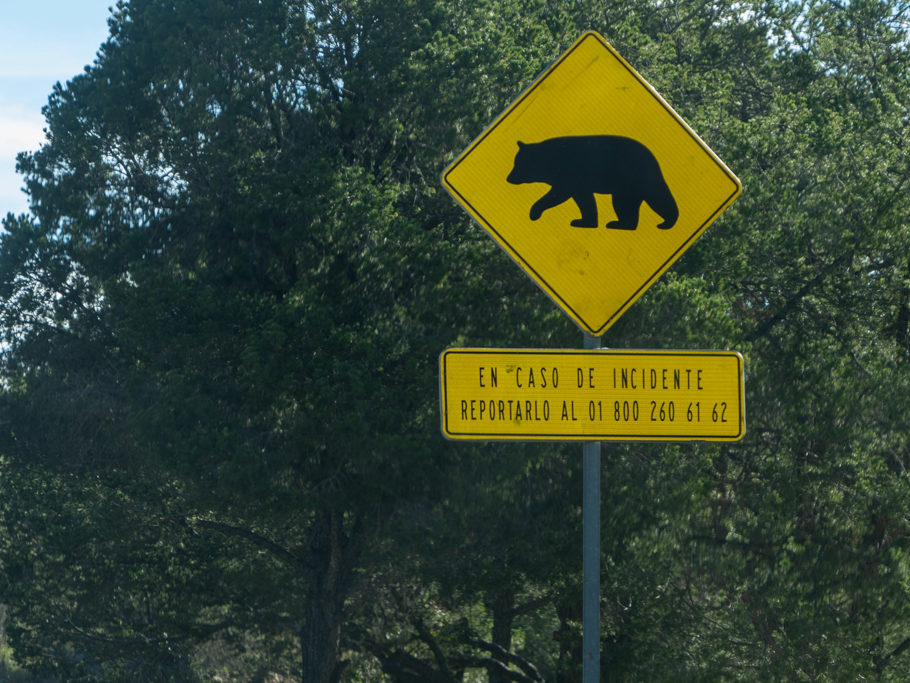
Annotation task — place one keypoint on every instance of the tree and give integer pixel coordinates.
(808, 505)
(222, 317)
(221, 321)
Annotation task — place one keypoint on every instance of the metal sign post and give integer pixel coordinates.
(591, 552)
(595, 186)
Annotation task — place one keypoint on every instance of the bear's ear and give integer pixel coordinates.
(521, 144)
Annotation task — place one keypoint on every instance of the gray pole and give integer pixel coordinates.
(591, 552)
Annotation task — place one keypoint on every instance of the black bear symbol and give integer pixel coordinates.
(578, 167)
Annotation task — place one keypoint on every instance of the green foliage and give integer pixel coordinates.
(221, 321)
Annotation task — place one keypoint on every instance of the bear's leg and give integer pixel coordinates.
(588, 206)
(663, 203)
(626, 208)
(552, 198)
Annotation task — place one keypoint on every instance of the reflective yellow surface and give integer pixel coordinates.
(565, 395)
(594, 274)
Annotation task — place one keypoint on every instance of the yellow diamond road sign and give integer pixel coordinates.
(592, 183)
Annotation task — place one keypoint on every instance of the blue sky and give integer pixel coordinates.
(41, 42)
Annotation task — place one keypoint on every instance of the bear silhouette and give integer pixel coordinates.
(578, 167)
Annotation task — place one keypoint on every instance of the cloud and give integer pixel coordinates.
(40, 43)
(20, 131)
(51, 62)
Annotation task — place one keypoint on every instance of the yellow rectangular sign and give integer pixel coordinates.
(592, 395)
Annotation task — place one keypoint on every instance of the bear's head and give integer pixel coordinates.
(525, 168)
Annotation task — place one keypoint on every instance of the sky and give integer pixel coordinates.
(41, 42)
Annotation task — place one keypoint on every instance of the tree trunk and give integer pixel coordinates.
(503, 615)
(319, 641)
(320, 634)
(569, 638)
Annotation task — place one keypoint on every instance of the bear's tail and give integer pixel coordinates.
(663, 203)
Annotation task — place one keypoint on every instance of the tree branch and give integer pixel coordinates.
(765, 326)
(882, 662)
(532, 674)
(495, 666)
(258, 540)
